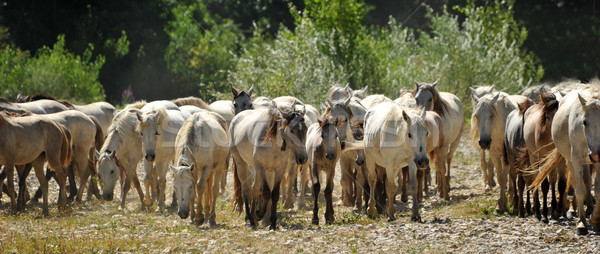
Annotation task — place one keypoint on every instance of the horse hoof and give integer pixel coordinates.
(582, 231)
(315, 221)
(545, 220)
(372, 214)
(415, 218)
(392, 218)
(273, 227)
(404, 199)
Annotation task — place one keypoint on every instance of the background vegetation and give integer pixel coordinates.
(171, 48)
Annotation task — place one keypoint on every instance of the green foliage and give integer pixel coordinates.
(201, 49)
(482, 50)
(292, 64)
(119, 46)
(53, 71)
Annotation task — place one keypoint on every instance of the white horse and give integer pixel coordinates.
(487, 166)
(387, 144)
(201, 153)
(119, 156)
(488, 132)
(261, 141)
(576, 135)
(449, 108)
(158, 128)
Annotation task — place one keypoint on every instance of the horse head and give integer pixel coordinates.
(590, 119)
(340, 111)
(108, 171)
(149, 128)
(425, 94)
(329, 136)
(293, 131)
(242, 99)
(184, 185)
(484, 115)
(417, 137)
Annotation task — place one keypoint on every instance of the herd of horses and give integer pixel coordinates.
(542, 138)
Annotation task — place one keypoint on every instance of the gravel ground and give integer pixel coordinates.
(466, 223)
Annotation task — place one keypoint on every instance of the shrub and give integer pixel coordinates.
(53, 71)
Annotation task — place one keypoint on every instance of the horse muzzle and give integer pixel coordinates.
(343, 144)
(422, 163)
(150, 157)
(183, 214)
(107, 196)
(301, 159)
(329, 156)
(485, 143)
(360, 160)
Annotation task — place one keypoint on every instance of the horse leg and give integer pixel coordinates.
(316, 189)
(563, 202)
(502, 174)
(125, 186)
(420, 179)
(200, 189)
(72, 183)
(595, 219)
(303, 184)
(38, 193)
(589, 201)
(360, 187)
(536, 205)
(545, 189)
(23, 172)
(577, 172)
(346, 181)
(515, 196)
(61, 178)
(521, 187)
(10, 184)
(224, 175)
(404, 196)
(329, 218)
(484, 165)
(218, 174)
(426, 180)
(372, 178)
(553, 202)
(274, 200)
(147, 182)
(391, 191)
(412, 167)
(290, 196)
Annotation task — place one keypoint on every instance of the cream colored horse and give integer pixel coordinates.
(24, 139)
(158, 128)
(450, 109)
(261, 143)
(119, 156)
(576, 135)
(202, 149)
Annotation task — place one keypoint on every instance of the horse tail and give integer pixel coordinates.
(65, 148)
(550, 162)
(99, 138)
(238, 200)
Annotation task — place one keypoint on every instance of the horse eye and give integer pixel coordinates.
(584, 123)
(141, 133)
(112, 171)
(157, 133)
(409, 135)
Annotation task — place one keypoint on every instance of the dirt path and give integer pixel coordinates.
(466, 223)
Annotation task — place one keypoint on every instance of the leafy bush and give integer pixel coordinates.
(53, 71)
(293, 64)
(202, 49)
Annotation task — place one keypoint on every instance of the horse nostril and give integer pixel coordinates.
(343, 145)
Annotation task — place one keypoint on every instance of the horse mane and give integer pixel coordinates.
(523, 106)
(124, 124)
(37, 97)
(191, 100)
(334, 89)
(347, 109)
(274, 118)
(15, 114)
(440, 105)
(136, 105)
(188, 134)
(162, 114)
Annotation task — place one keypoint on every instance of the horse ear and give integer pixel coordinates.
(303, 110)
(112, 155)
(294, 105)
(173, 169)
(323, 107)
(97, 153)
(423, 113)
(251, 90)
(435, 83)
(347, 101)
(583, 101)
(233, 91)
(192, 167)
(365, 88)
(405, 116)
(347, 87)
(330, 102)
(495, 99)
(491, 88)
(474, 95)
(139, 116)
(417, 84)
